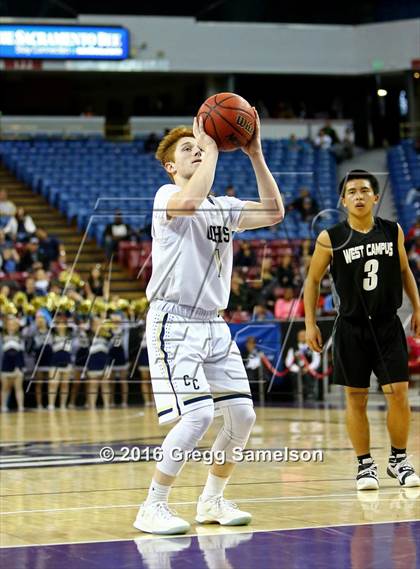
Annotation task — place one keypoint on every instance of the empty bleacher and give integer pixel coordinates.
(404, 171)
(87, 179)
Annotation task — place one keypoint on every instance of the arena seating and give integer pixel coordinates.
(88, 179)
(404, 170)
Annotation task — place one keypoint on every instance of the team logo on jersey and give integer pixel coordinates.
(218, 234)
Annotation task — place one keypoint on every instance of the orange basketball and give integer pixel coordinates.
(229, 119)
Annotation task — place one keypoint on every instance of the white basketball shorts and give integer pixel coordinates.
(193, 361)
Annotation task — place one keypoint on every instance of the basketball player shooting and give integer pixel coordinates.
(369, 267)
(196, 368)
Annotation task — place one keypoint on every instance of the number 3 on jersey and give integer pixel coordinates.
(370, 282)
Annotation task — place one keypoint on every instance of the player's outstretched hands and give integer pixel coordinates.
(254, 145)
(314, 338)
(415, 323)
(204, 141)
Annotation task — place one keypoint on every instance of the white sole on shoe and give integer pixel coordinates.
(367, 484)
(177, 530)
(413, 483)
(243, 520)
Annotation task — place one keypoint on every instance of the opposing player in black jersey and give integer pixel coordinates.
(369, 267)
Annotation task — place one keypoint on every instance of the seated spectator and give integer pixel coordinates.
(230, 191)
(286, 275)
(288, 307)
(114, 233)
(95, 284)
(5, 242)
(49, 247)
(42, 282)
(7, 207)
(31, 255)
(412, 233)
(20, 227)
(151, 143)
(305, 204)
(261, 312)
(29, 288)
(328, 308)
(245, 257)
(323, 140)
(348, 144)
(238, 299)
(9, 260)
(331, 132)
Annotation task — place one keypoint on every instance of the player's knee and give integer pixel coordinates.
(244, 415)
(357, 401)
(199, 420)
(397, 394)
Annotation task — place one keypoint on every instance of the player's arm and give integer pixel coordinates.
(270, 209)
(319, 263)
(409, 284)
(189, 199)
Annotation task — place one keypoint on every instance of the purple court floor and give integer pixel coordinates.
(372, 546)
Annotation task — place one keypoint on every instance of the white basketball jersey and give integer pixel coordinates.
(192, 256)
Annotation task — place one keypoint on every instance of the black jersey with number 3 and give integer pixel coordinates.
(366, 271)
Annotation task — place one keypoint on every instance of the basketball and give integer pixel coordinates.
(229, 119)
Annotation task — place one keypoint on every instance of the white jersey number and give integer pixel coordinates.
(371, 270)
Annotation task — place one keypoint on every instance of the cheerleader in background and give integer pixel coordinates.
(118, 357)
(97, 363)
(40, 346)
(12, 367)
(81, 344)
(61, 368)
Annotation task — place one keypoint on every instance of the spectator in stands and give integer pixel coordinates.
(286, 275)
(301, 359)
(9, 260)
(151, 143)
(245, 257)
(414, 356)
(293, 142)
(20, 227)
(288, 307)
(31, 255)
(252, 360)
(230, 191)
(412, 233)
(5, 242)
(5, 291)
(328, 306)
(261, 312)
(49, 247)
(29, 288)
(331, 132)
(95, 284)
(348, 144)
(7, 207)
(323, 140)
(239, 296)
(114, 233)
(42, 282)
(305, 204)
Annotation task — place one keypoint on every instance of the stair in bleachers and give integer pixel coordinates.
(55, 223)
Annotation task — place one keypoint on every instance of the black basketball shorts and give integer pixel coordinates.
(359, 349)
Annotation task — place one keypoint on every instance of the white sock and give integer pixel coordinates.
(157, 492)
(214, 486)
